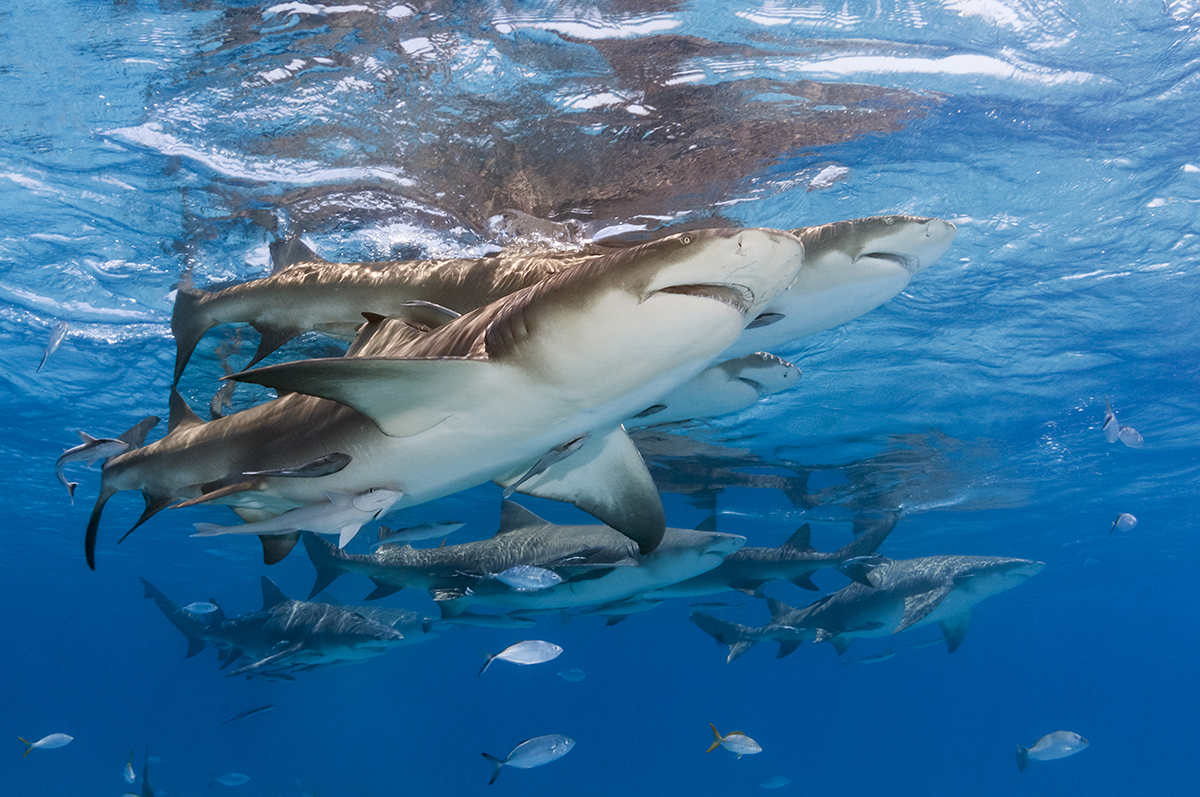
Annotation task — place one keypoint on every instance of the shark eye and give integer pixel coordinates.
(685, 240)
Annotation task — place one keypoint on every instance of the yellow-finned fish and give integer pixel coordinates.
(735, 742)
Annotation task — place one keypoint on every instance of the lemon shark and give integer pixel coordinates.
(597, 564)
(428, 411)
(888, 596)
(851, 268)
(286, 635)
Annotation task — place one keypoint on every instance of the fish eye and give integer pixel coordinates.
(685, 240)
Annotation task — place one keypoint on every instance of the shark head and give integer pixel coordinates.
(850, 268)
(987, 576)
(684, 553)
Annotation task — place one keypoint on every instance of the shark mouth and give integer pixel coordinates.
(907, 262)
(739, 297)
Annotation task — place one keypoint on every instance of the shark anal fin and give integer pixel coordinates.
(402, 396)
(954, 629)
(917, 607)
(277, 546)
(607, 478)
(804, 582)
(272, 338)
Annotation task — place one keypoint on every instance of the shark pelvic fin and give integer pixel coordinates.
(181, 415)
(954, 629)
(917, 607)
(606, 478)
(402, 396)
(89, 540)
(277, 546)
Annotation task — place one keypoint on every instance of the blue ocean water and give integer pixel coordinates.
(143, 144)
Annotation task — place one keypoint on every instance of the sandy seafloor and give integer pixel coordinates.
(142, 143)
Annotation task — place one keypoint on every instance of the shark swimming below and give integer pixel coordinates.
(889, 596)
(597, 565)
(483, 397)
(285, 636)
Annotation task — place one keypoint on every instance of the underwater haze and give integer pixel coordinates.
(149, 145)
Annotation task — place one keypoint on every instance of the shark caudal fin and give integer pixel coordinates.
(738, 638)
(180, 619)
(325, 558)
(498, 763)
(1022, 757)
(189, 322)
(869, 535)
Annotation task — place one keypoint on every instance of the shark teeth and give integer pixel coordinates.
(739, 297)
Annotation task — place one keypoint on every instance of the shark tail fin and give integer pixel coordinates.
(93, 527)
(325, 559)
(869, 534)
(1022, 757)
(716, 739)
(29, 746)
(737, 637)
(189, 322)
(497, 763)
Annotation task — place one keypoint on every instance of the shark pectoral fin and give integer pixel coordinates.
(840, 643)
(738, 648)
(752, 587)
(918, 607)
(277, 546)
(590, 574)
(402, 396)
(804, 582)
(232, 655)
(787, 647)
(272, 338)
(274, 658)
(195, 645)
(955, 628)
(606, 478)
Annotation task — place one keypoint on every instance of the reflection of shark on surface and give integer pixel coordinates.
(482, 397)
(597, 564)
(288, 636)
(889, 596)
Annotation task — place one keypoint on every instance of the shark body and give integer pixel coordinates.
(889, 596)
(484, 397)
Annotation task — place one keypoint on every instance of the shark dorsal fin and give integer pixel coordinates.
(181, 414)
(800, 540)
(778, 608)
(272, 595)
(289, 252)
(708, 524)
(513, 516)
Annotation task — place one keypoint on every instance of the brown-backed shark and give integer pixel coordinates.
(483, 397)
(851, 268)
(888, 596)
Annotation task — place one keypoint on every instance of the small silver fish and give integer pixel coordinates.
(777, 782)
(57, 333)
(199, 607)
(90, 451)
(531, 651)
(1130, 437)
(875, 659)
(1124, 522)
(735, 742)
(529, 578)
(1059, 744)
(532, 753)
(232, 779)
(47, 742)
(1110, 423)
(574, 674)
(425, 531)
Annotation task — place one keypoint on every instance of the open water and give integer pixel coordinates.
(145, 143)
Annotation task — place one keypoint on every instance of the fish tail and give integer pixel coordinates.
(1022, 757)
(716, 739)
(89, 540)
(498, 763)
(29, 747)
(189, 322)
(487, 663)
(324, 558)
